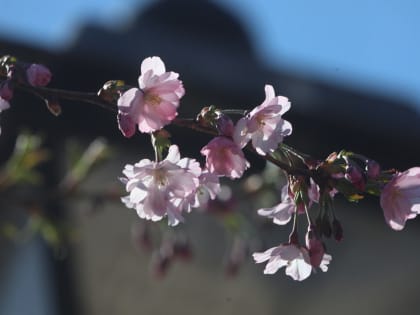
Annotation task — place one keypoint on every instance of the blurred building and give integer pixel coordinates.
(217, 64)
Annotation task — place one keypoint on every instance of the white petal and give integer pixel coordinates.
(325, 262)
(153, 63)
(269, 92)
(261, 257)
(274, 264)
(241, 136)
(129, 102)
(3, 104)
(173, 154)
(298, 269)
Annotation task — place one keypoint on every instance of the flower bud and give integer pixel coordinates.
(353, 174)
(53, 106)
(224, 125)
(373, 169)
(207, 116)
(6, 91)
(112, 90)
(337, 230)
(315, 247)
(38, 75)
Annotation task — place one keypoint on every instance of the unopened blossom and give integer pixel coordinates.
(373, 169)
(354, 175)
(6, 92)
(315, 247)
(224, 158)
(264, 125)
(4, 97)
(38, 75)
(155, 104)
(224, 125)
(294, 258)
(400, 198)
(159, 189)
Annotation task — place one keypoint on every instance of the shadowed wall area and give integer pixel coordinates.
(374, 270)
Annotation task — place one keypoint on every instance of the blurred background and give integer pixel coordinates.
(351, 72)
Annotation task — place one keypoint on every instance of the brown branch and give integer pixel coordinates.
(85, 97)
(93, 98)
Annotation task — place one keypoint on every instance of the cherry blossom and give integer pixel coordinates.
(400, 198)
(224, 158)
(295, 258)
(282, 212)
(159, 189)
(264, 124)
(155, 104)
(208, 188)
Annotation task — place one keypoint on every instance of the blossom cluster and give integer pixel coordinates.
(170, 186)
(156, 189)
(35, 75)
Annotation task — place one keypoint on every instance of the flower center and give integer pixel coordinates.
(260, 119)
(159, 176)
(152, 99)
(395, 195)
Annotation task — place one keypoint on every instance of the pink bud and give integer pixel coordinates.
(6, 92)
(38, 75)
(315, 247)
(373, 169)
(353, 174)
(225, 125)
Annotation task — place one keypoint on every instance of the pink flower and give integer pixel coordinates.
(293, 257)
(159, 189)
(224, 158)
(400, 198)
(208, 188)
(282, 212)
(38, 75)
(155, 104)
(264, 124)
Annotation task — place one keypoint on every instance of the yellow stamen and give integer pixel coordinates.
(152, 99)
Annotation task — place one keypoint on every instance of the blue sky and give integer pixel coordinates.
(371, 44)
